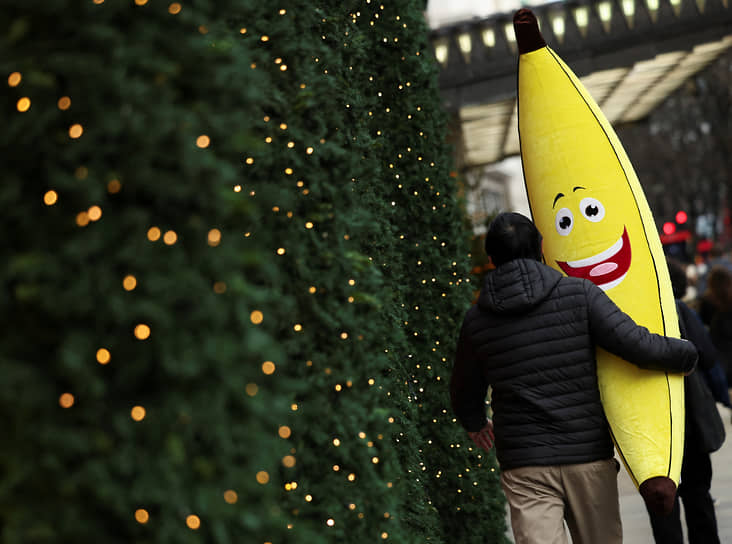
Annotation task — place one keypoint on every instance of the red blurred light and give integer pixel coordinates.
(669, 228)
(681, 217)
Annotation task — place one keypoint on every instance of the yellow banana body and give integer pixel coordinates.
(586, 201)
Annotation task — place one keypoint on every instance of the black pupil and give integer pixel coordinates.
(565, 222)
(591, 210)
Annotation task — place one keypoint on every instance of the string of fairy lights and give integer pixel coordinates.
(142, 331)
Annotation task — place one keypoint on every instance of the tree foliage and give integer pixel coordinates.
(235, 269)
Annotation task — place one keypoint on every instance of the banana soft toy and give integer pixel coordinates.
(587, 202)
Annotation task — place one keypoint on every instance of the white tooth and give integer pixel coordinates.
(609, 285)
(589, 261)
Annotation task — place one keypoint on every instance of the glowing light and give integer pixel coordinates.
(129, 282)
(95, 213)
(82, 219)
(230, 496)
(214, 237)
(174, 8)
(308, 497)
(250, 160)
(76, 130)
(336, 442)
(384, 535)
(170, 238)
(268, 367)
(203, 141)
(141, 515)
(114, 186)
(288, 171)
(103, 356)
(256, 317)
(681, 217)
(284, 431)
(137, 413)
(219, 287)
(669, 228)
(142, 332)
(309, 150)
(153, 234)
(288, 461)
(297, 327)
(193, 521)
(265, 38)
(312, 289)
(344, 335)
(14, 79)
(351, 477)
(262, 477)
(242, 31)
(251, 389)
(140, 2)
(50, 198)
(66, 400)
(281, 251)
(375, 460)
(23, 104)
(309, 225)
(330, 522)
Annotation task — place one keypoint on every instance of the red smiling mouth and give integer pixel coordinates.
(606, 269)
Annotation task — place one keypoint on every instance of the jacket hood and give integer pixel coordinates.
(517, 286)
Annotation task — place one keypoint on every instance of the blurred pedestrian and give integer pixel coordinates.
(532, 337)
(704, 434)
(715, 310)
(717, 257)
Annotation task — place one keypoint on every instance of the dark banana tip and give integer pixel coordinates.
(526, 27)
(659, 494)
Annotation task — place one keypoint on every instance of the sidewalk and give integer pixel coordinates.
(637, 528)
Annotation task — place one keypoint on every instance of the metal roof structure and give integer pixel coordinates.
(630, 54)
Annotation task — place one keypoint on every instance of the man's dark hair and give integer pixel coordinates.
(512, 236)
(679, 281)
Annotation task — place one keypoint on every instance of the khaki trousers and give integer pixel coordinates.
(584, 495)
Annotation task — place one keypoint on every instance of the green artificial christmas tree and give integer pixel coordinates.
(234, 276)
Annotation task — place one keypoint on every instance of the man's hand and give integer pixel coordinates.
(484, 438)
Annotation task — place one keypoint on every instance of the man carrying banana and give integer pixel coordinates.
(532, 338)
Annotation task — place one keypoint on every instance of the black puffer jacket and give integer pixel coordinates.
(532, 338)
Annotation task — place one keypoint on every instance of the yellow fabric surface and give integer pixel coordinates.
(590, 208)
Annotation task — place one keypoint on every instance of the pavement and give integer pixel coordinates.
(637, 528)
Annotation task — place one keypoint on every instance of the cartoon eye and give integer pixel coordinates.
(592, 209)
(564, 221)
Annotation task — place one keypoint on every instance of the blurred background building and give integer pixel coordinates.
(660, 71)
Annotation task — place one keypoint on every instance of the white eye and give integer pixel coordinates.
(592, 209)
(564, 221)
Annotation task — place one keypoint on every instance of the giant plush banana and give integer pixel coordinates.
(587, 202)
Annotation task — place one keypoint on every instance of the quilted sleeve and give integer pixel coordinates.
(615, 331)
